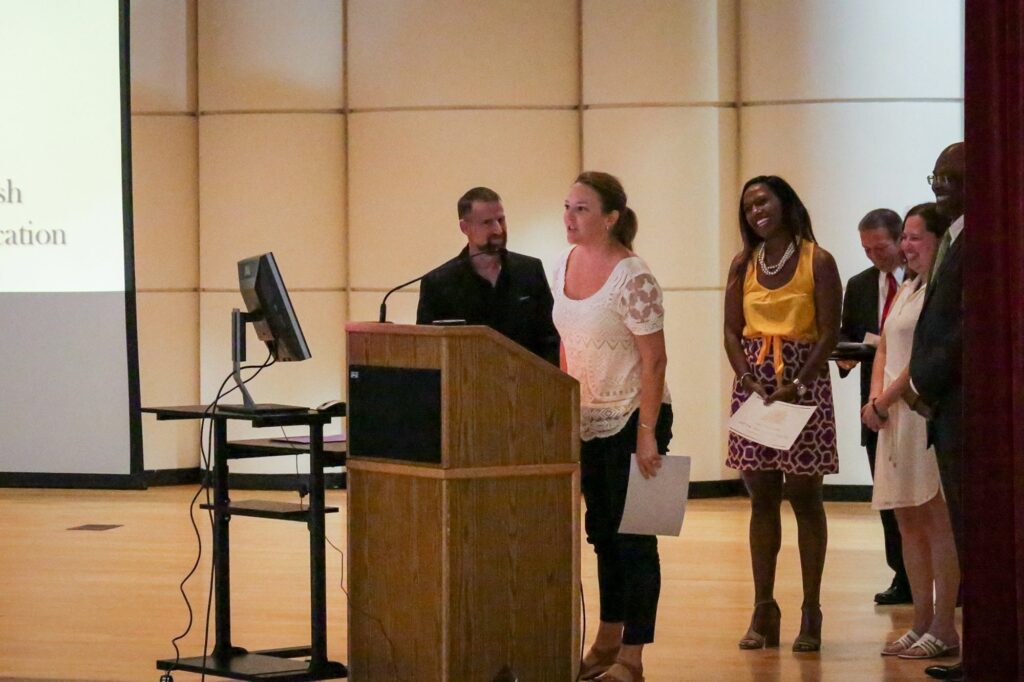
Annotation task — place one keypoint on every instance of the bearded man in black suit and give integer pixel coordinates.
(489, 285)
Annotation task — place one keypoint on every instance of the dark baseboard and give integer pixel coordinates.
(191, 476)
(336, 481)
(161, 477)
(847, 493)
(733, 488)
(85, 481)
(708, 489)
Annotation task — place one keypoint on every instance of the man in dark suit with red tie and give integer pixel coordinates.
(936, 364)
(866, 303)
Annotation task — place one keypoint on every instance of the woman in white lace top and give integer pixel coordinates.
(609, 313)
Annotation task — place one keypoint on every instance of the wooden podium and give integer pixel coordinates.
(463, 507)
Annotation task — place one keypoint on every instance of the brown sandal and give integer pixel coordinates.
(601, 661)
(622, 672)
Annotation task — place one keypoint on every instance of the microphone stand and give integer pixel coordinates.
(383, 317)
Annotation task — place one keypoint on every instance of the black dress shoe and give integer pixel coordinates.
(945, 672)
(896, 594)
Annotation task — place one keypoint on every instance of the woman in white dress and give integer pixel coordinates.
(906, 473)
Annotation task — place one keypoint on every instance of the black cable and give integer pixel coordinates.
(378, 621)
(297, 447)
(583, 635)
(203, 486)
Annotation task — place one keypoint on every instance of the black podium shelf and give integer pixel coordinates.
(267, 509)
(277, 664)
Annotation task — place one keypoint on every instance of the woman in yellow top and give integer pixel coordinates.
(782, 313)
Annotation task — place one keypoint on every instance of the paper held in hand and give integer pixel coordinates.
(776, 425)
(655, 506)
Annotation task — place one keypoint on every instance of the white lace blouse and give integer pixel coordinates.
(598, 337)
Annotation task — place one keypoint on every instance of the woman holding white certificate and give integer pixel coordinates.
(782, 313)
(609, 313)
(906, 472)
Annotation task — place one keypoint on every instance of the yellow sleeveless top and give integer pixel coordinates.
(784, 313)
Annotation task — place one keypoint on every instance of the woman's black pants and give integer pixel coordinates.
(628, 567)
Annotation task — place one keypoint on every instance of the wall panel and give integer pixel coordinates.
(272, 182)
(408, 170)
(364, 306)
(169, 375)
(258, 55)
(823, 49)
(165, 198)
(698, 377)
(415, 53)
(163, 55)
(658, 51)
(677, 165)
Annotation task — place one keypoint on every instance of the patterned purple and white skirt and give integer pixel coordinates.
(814, 451)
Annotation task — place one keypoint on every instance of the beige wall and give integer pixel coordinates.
(338, 133)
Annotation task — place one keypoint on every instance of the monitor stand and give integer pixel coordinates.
(248, 406)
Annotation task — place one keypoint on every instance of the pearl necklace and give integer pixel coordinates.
(774, 269)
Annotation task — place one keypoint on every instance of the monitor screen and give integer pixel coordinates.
(266, 300)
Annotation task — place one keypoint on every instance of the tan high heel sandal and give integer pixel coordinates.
(622, 672)
(764, 626)
(602, 660)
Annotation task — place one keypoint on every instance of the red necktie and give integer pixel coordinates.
(890, 294)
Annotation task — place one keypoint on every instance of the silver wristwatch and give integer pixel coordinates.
(801, 388)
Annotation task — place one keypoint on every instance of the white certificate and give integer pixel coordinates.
(776, 425)
(655, 506)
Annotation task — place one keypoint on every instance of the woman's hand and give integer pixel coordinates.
(785, 394)
(871, 418)
(752, 385)
(868, 418)
(647, 458)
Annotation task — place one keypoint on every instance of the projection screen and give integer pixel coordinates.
(69, 411)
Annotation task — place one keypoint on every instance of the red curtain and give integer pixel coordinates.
(994, 341)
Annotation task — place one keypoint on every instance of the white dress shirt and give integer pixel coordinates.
(955, 229)
(883, 287)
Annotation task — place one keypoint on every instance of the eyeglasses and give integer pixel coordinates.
(941, 180)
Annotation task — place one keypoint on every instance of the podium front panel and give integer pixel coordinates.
(394, 413)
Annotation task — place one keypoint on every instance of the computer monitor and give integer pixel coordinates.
(270, 311)
(270, 308)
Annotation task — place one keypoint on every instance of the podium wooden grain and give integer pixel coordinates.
(461, 569)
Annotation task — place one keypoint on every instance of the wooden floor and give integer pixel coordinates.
(103, 605)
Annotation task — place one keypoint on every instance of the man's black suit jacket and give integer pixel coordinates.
(518, 305)
(860, 316)
(936, 360)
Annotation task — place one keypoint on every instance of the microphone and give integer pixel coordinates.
(501, 250)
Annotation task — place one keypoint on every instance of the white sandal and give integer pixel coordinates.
(897, 647)
(930, 646)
